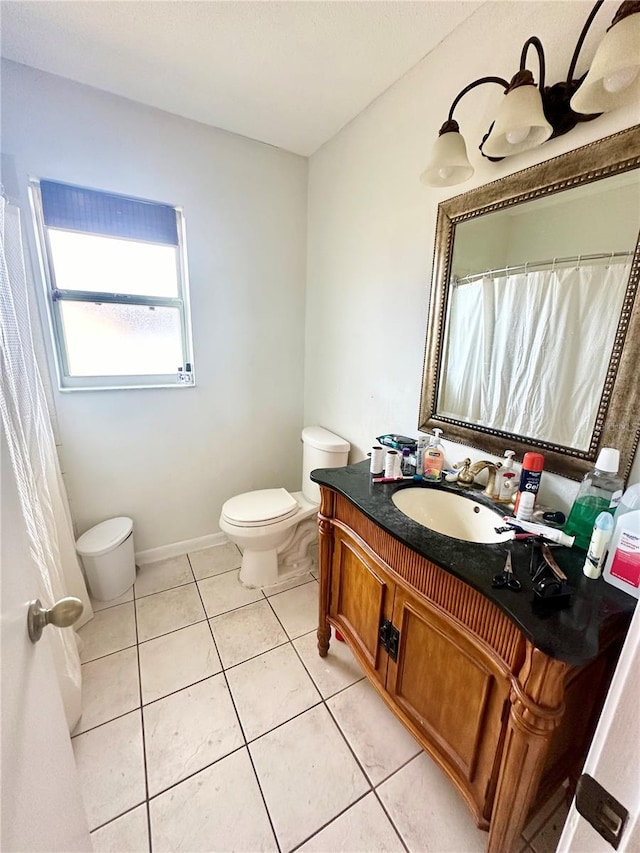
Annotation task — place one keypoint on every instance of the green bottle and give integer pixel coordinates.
(600, 491)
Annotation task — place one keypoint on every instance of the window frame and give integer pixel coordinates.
(54, 296)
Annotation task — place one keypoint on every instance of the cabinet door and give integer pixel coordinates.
(361, 598)
(452, 693)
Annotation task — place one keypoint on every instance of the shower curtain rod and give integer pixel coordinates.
(550, 263)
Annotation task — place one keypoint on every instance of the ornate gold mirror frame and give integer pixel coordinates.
(617, 422)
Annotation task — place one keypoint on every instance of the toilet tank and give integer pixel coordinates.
(321, 449)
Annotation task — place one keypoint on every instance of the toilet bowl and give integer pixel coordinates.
(275, 528)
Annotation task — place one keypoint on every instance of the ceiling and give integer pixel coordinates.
(290, 74)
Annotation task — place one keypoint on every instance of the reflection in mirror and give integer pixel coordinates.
(534, 299)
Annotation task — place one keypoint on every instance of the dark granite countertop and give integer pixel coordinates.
(574, 634)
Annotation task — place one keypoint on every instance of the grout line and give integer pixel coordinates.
(196, 772)
(108, 606)
(108, 654)
(172, 631)
(284, 722)
(242, 731)
(118, 816)
(329, 822)
(276, 594)
(166, 589)
(144, 743)
(253, 657)
(389, 818)
(337, 692)
(106, 722)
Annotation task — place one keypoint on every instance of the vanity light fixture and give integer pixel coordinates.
(532, 113)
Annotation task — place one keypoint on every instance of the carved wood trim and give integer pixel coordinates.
(468, 607)
(536, 709)
(325, 555)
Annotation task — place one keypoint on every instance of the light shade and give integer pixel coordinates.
(448, 164)
(614, 77)
(519, 125)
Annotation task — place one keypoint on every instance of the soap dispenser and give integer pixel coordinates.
(507, 479)
(434, 457)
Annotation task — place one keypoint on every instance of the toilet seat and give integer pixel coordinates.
(259, 508)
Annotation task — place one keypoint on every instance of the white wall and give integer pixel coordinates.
(372, 223)
(169, 458)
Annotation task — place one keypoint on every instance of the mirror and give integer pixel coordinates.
(534, 326)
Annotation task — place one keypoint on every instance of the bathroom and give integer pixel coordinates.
(309, 272)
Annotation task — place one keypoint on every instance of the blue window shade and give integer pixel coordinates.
(80, 209)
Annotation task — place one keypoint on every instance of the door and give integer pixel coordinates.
(361, 599)
(41, 802)
(447, 688)
(614, 756)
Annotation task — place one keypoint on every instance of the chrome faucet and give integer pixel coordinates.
(492, 470)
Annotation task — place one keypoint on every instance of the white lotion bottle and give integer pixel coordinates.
(507, 479)
(602, 530)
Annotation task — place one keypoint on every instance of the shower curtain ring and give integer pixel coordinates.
(610, 260)
(578, 264)
(553, 265)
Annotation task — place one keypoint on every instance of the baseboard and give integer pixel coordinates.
(176, 549)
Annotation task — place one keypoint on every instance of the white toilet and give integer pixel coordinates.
(274, 528)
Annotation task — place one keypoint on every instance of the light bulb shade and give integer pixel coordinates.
(448, 164)
(614, 77)
(519, 125)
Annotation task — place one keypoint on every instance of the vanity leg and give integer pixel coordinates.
(325, 554)
(536, 709)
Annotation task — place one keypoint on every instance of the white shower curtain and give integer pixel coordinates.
(33, 454)
(531, 348)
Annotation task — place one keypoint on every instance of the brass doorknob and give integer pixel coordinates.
(63, 614)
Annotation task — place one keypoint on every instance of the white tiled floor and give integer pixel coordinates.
(210, 723)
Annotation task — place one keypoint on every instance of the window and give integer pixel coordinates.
(115, 275)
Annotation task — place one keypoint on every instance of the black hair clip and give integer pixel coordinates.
(549, 590)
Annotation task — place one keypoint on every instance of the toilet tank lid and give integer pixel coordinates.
(322, 439)
(104, 537)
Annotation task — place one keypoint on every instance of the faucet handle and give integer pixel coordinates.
(464, 475)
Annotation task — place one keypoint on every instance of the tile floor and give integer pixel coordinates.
(211, 724)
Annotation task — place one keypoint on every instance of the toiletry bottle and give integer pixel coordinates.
(600, 490)
(622, 565)
(434, 457)
(506, 479)
(408, 468)
(602, 530)
(422, 447)
(532, 465)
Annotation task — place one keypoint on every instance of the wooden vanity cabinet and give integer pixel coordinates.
(506, 722)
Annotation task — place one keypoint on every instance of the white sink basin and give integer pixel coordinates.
(450, 514)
